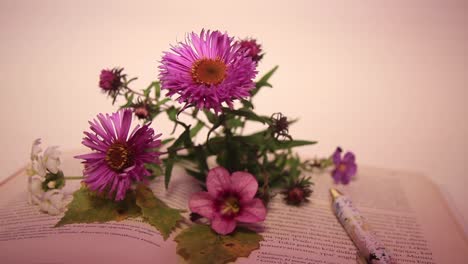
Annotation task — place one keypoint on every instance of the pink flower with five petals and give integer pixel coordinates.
(229, 199)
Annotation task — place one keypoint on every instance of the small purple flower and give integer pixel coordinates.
(118, 158)
(252, 48)
(230, 199)
(207, 71)
(345, 168)
(110, 80)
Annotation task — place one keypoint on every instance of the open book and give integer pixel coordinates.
(406, 211)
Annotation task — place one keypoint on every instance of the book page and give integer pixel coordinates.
(28, 236)
(405, 211)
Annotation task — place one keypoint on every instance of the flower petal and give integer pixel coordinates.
(52, 165)
(217, 181)
(252, 212)
(351, 171)
(202, 204)
(336, 157)
(337, 175)
(349, 157)
(223, 225)
(244, 184)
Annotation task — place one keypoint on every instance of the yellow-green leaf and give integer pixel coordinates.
(156, 212)
(201, 245)
(89, 207)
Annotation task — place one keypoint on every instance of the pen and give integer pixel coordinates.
(368, 245)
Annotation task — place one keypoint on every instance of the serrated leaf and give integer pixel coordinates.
(89, 207)
(199, 244)
(156, 212)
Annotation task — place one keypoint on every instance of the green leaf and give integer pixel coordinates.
(195, 112)
(156, 212)
(163, 101)
(167, 140)
(248, 114)
(129, 98)
(264, 81)
(183, 139)
(147, 91)
(89, 207)
(194, 131)
(198, 244)
(234, 123)
(201, 158)
(287, 144)
(172, 113)
(267, 76)
(157, 90)
(210, 116)
(196, 174)
(247, 104)
(169, 165)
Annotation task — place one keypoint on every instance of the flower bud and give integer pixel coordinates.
(252, 49)
(141, 111)
(110, 80)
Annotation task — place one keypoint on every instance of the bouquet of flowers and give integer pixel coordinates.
(210, 87)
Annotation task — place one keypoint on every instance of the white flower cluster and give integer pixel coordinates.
(52, 200)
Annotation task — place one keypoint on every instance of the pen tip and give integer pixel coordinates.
(335, 193)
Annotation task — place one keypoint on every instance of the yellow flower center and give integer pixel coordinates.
(119, 157)
(342, 167)
(230, 206)
(209, 71)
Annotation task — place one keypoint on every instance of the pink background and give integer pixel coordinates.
(386, 80)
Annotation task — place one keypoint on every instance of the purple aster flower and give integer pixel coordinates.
(110, 80)
(118, 158)
(207, 71)
(230, 199)
(345, 167)
(253, 49)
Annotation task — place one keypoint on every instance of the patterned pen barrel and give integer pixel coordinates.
(358, 230)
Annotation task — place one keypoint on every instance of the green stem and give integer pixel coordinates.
(74, 177)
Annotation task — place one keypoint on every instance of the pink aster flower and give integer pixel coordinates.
(230, 199)
(118, 158)
(345, 168)
(207, 71)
